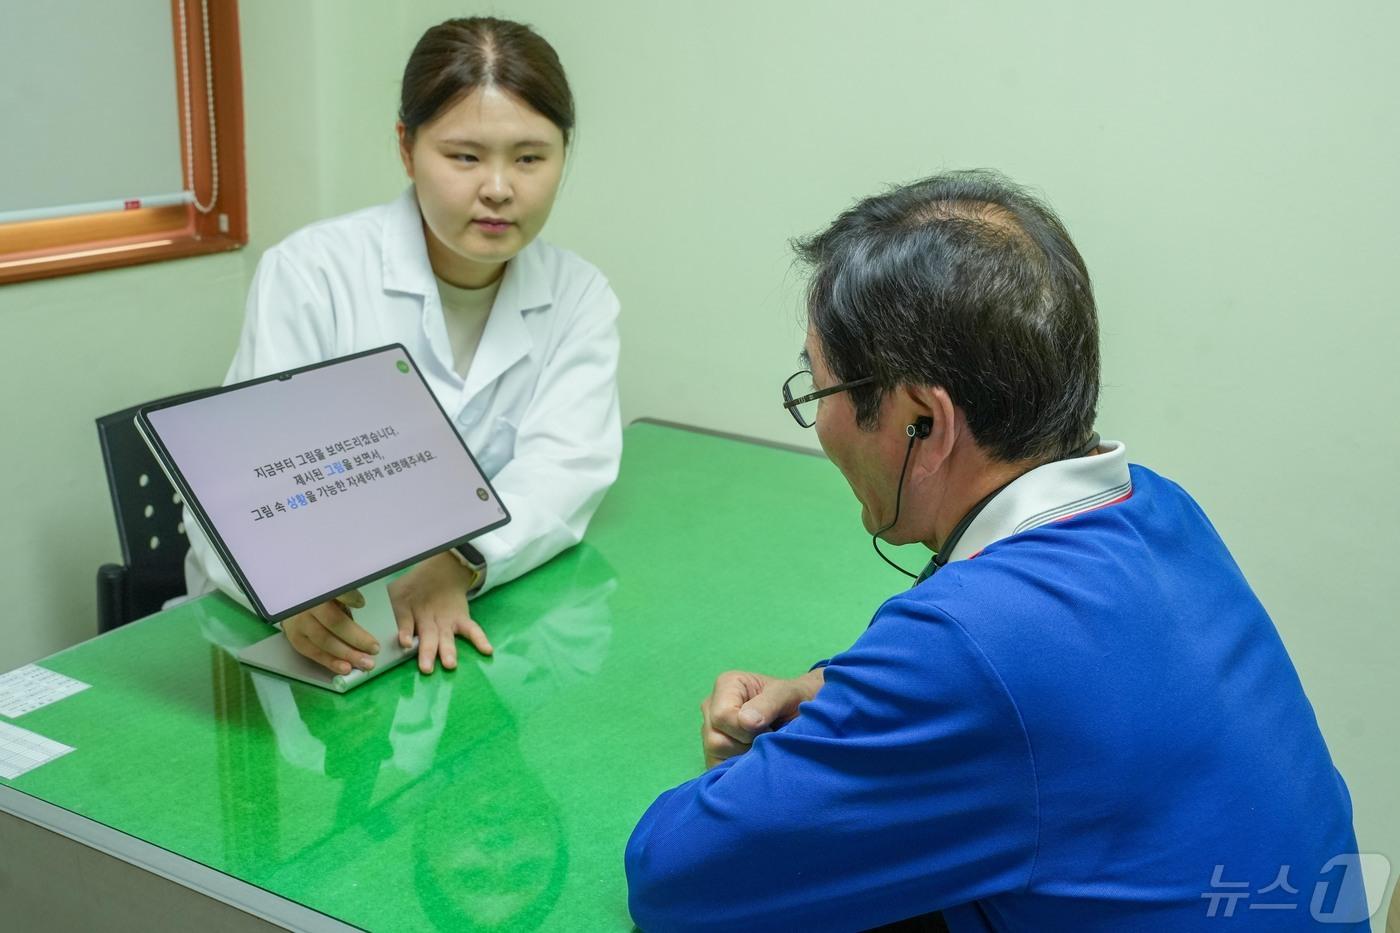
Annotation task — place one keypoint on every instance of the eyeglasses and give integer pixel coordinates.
(800, 395)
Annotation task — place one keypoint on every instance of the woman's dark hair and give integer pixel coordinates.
(965, 281)
(454, 58)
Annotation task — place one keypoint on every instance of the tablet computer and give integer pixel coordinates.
(318, 480)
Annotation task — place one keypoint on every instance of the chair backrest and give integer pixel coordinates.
(150, 524)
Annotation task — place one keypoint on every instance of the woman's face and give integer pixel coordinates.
(487, 170)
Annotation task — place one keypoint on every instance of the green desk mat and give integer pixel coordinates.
(501, 795)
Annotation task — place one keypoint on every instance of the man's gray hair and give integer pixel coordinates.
(966, 281)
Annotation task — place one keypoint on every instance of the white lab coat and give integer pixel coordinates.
(538, 407)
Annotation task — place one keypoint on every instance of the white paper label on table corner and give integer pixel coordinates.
(28, 688)
(22, 750)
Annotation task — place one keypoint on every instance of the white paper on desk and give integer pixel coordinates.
(22, 750)
(30, 687)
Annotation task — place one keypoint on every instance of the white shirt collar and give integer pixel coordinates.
(1049, 493)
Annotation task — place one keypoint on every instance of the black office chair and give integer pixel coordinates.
(149, 525)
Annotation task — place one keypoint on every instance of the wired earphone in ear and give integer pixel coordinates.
(920, 429)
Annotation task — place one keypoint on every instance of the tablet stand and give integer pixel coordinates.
(276, 655)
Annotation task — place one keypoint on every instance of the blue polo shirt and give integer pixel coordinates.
(1085, 722)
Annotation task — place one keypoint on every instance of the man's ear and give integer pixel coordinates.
(405, 148)
(933, 403)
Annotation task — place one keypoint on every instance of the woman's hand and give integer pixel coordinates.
(327, 635)
(431, 600)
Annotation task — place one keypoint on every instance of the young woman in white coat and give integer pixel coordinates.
(517, 338)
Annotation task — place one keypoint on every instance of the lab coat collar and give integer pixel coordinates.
(524, 288)
(1049, 493)
(507, 339)
(406, 266)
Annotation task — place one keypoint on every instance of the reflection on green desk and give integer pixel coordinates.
(501, 795)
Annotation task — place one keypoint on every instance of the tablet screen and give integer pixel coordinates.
(315, 481)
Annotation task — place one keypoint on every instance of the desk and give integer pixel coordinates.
(498, 796)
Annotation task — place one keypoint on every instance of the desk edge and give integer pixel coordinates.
(196, 876)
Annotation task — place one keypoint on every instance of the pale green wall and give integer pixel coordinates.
(76, 348)
(82, 346)
(1228, 171)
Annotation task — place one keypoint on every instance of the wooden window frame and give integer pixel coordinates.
(40, 249)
